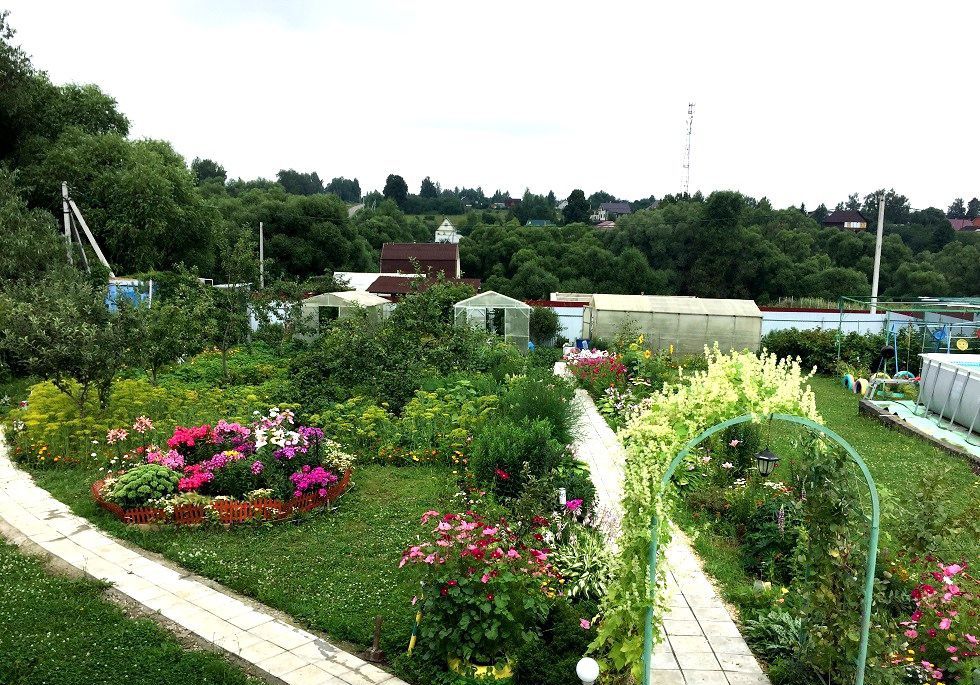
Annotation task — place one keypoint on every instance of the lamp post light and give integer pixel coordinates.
(766, 461)
(587, 670)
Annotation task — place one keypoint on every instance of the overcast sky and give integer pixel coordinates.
(799, 102)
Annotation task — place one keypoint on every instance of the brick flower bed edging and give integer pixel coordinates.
(228, 512)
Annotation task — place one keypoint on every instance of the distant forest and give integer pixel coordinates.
(151, 210)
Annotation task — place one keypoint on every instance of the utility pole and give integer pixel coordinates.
(261, 257)
(67, 216)
(881, 230)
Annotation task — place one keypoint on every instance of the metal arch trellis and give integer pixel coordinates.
(872, 544)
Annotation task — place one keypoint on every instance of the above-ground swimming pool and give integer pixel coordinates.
(950, 387)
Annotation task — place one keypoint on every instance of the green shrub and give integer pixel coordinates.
(542, 395)
(543, 326)
(551, 660)
(506, 453)
(141, 484)
(818, 347)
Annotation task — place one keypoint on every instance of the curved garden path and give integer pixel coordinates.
(251, 633)
(703, 645)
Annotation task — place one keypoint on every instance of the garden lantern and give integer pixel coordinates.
(766, 461)
(587, 670)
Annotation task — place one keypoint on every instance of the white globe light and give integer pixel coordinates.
(587, 670)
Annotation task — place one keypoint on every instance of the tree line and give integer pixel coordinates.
(151, 211)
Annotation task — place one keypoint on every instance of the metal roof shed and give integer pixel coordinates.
(320, 310)
(687, 323)
(496, 313)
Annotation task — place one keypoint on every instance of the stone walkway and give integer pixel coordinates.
(281, 653)
(702, 644)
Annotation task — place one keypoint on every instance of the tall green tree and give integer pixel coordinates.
(138, 197)
(349, 190)
(973, 208)
(577, 210)
(396, 189)
(957, 210)
(428, 189)
(299, 183)
(207, 170)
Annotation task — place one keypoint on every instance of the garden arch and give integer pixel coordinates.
(869, 574)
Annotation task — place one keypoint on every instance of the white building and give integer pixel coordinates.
(446, 233)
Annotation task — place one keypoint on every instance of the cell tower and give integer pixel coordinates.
(687, 148)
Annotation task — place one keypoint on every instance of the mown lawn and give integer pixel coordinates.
(60, 630)
(897, 462)
(332, 571)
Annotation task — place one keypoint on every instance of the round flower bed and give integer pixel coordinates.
(225, 511)
(228, 473)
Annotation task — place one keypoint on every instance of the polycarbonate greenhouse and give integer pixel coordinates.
(495, 313)
(687, 323)
(320, 310)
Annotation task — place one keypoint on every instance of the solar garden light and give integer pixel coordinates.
(587, 670)
(766, 461)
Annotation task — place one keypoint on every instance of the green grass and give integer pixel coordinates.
(56, 630)
(333, 572)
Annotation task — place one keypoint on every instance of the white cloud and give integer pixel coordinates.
(798, 102)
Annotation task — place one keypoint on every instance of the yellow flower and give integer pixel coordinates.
(639, 341)
(647, 354)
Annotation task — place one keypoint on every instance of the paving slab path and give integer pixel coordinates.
(702, 645)
(270, 646)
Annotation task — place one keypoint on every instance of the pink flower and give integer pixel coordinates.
(443, 525)
(573, 504)
(502, 475)
(585, 623)
(735, 443)
(513, 554)
(429, 514)
(972, 639)
(910, 633)
(489, 531)
(257, 467)
(485, 578)
(951, 649)
(945, 624)
(116, 435)
(952, 569)
(143, 425)
(937, 675)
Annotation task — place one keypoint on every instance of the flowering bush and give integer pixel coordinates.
(485, 590)
(943, 632)
(596, 370)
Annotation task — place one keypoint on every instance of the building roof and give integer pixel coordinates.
(844, 216)
(491, 300)
(616, 207)
(399, 285)
(606, 224)
(671, 304)
(420, 251)
(446, 225)
(539, 222)
(360, 280)
(963, 224)
(345, 298)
